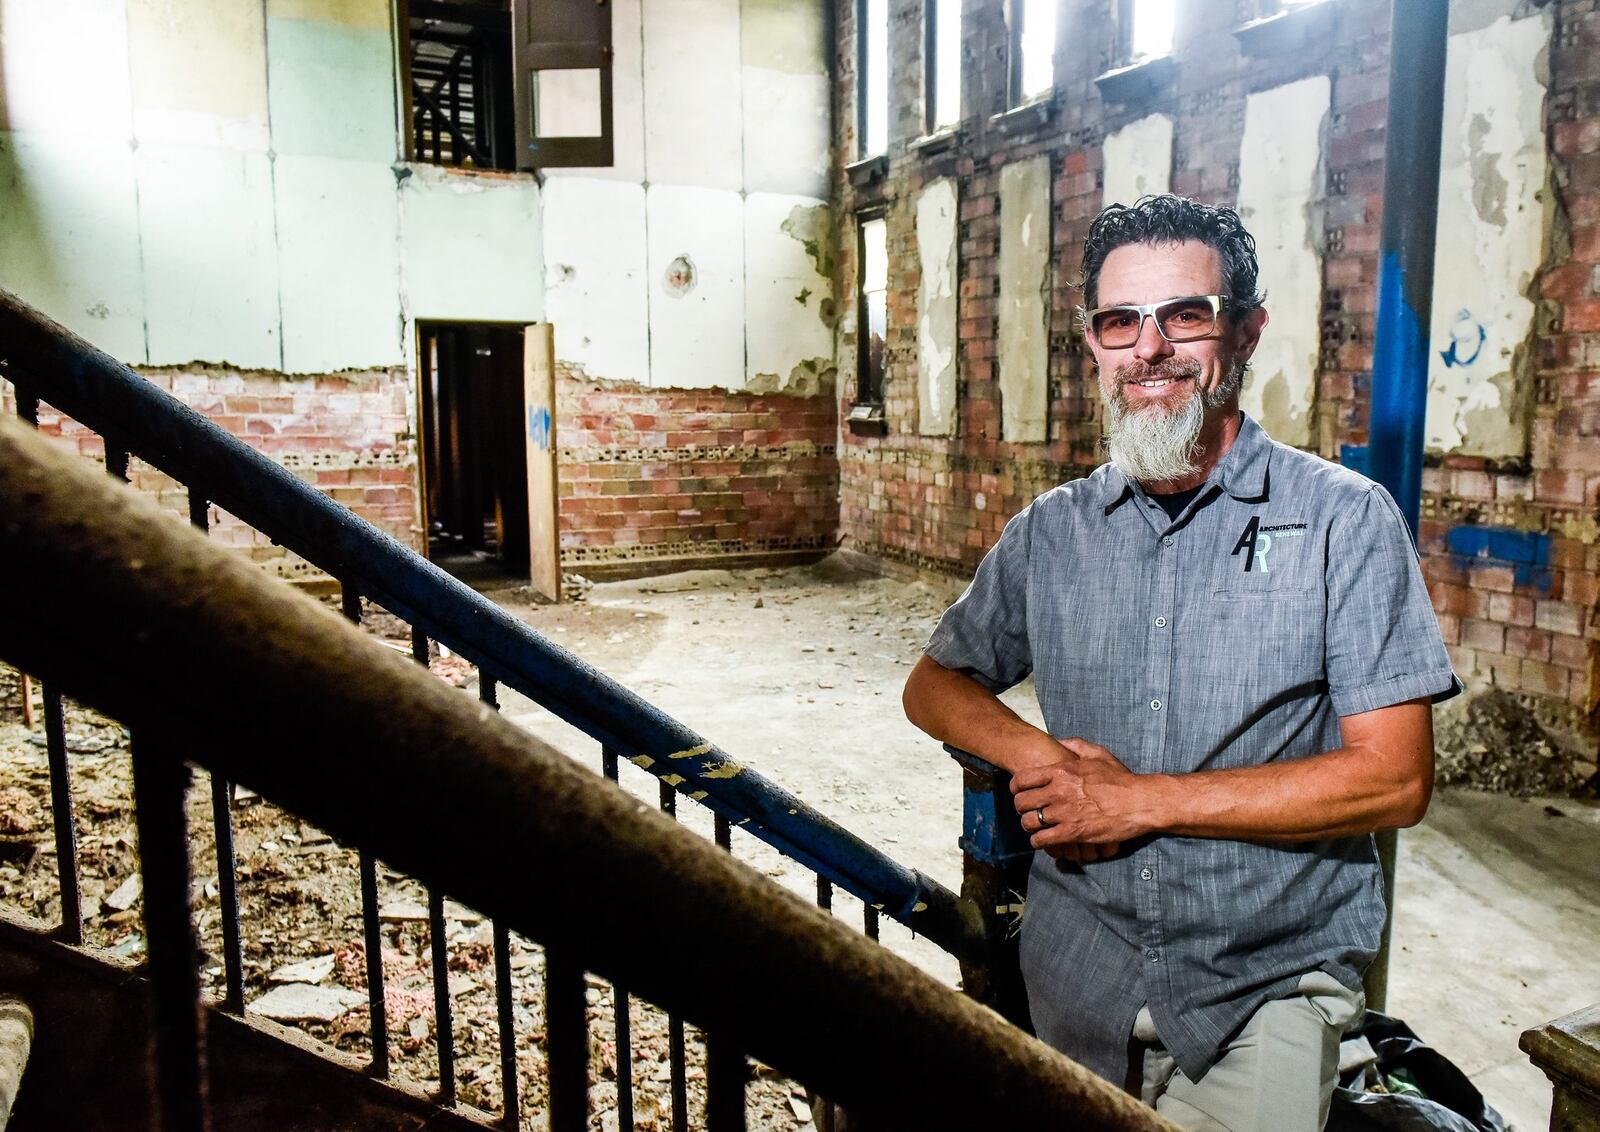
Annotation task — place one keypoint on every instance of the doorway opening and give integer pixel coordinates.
(474, 449)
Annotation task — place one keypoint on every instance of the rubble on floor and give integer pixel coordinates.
(1494, 743)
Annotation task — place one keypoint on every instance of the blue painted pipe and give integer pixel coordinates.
(1419, 30)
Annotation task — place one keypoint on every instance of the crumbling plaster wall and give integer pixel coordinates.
(216, 181)
(709, 239)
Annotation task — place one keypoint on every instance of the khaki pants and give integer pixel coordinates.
(1277, 1075)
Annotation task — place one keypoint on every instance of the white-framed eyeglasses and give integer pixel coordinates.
(1182, 319)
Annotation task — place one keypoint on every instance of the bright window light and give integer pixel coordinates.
(947, 62)
(1152, 28)
(1038, 46)
(875, 83)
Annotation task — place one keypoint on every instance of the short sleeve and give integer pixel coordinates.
(985, 633)
(1383, 641)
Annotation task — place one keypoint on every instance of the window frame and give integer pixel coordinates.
(865, 216)
(1016, 27)
(863, 86)
(930, 67)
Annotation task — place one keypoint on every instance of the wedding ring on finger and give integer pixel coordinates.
(1039, 813)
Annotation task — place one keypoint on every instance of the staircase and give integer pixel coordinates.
(384, 758)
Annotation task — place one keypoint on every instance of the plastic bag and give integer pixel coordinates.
(1421, 1090)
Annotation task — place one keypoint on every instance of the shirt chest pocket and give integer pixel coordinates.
(1265, 635)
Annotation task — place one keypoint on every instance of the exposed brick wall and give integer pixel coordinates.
(346, 434)
(1528, 622)
(664, 479)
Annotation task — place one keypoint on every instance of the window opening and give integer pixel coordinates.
(942, 54)
(872, 308)
(1032, 48)
(474, 451)
(872, 77)
(1146, 29)
(460, 79)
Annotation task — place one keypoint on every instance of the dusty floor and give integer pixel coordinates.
(797, 673)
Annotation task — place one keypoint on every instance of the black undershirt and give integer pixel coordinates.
(1174, 503)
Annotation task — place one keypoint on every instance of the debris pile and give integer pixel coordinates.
(1494, 743)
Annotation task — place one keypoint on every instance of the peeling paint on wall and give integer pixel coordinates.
(1493, 202)
(594, 241)
(937, 225)
(696, 335)
(471, 246)
(1280, 190)
(1137, 160)
(1024, 267)
(788, 345)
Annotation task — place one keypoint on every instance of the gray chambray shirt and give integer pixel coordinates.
(1286, 595)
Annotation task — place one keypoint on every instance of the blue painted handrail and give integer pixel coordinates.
(45, 360)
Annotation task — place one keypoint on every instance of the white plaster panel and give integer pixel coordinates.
(785, 97)
(1137, 160)
(1023, 338)
(210, 256)
(69, 236)
(627, 104)
(937, 240)
(595, 283)
(199, 72)
(332, 85)
(339, 255)
(692, 118)
(696, 320)
(1492, 204)
(788, 346)
(64, 68)
(471, 248)
(786, 145)
(1280, 186)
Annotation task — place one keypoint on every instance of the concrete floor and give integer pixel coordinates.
(798, 674)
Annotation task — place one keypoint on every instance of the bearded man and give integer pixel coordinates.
(1235, 658)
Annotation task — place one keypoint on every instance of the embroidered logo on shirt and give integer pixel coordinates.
(1257, 541)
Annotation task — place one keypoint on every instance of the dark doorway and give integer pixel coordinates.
(474, 457)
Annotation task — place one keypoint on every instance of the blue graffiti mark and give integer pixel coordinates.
(1526, 552)
(1356, 457)
(1467, 336)
(539, 427)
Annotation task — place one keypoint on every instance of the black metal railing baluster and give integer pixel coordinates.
(443, 1027)
(66, 825)
(222, 828)
(869, 917)
(27, 407)
(372, 928)
(160, 785)
(726, 1069)
(566, 1027)
(824, 894)
(116, 462)
(676, 1056)
(621, 1001)
(505, 1007)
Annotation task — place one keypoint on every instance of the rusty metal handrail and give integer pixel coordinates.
(350, 736)
(45, 360)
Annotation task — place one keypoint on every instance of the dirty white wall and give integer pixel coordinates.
(1023, 331)
(1137, 160)
(1280, 187)
(1493, 201)
(937, 242)
(700, 258)
(217, 181)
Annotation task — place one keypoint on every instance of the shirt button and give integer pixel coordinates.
(1155, 705)
(1145, 874)
(1161, 622)
(1167, 541)
(1153, 955)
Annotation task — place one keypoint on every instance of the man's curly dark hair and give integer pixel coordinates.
(1170, 219)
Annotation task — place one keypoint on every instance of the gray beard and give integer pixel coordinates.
(1157, 444)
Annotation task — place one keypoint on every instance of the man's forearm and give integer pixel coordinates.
(956, 709)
